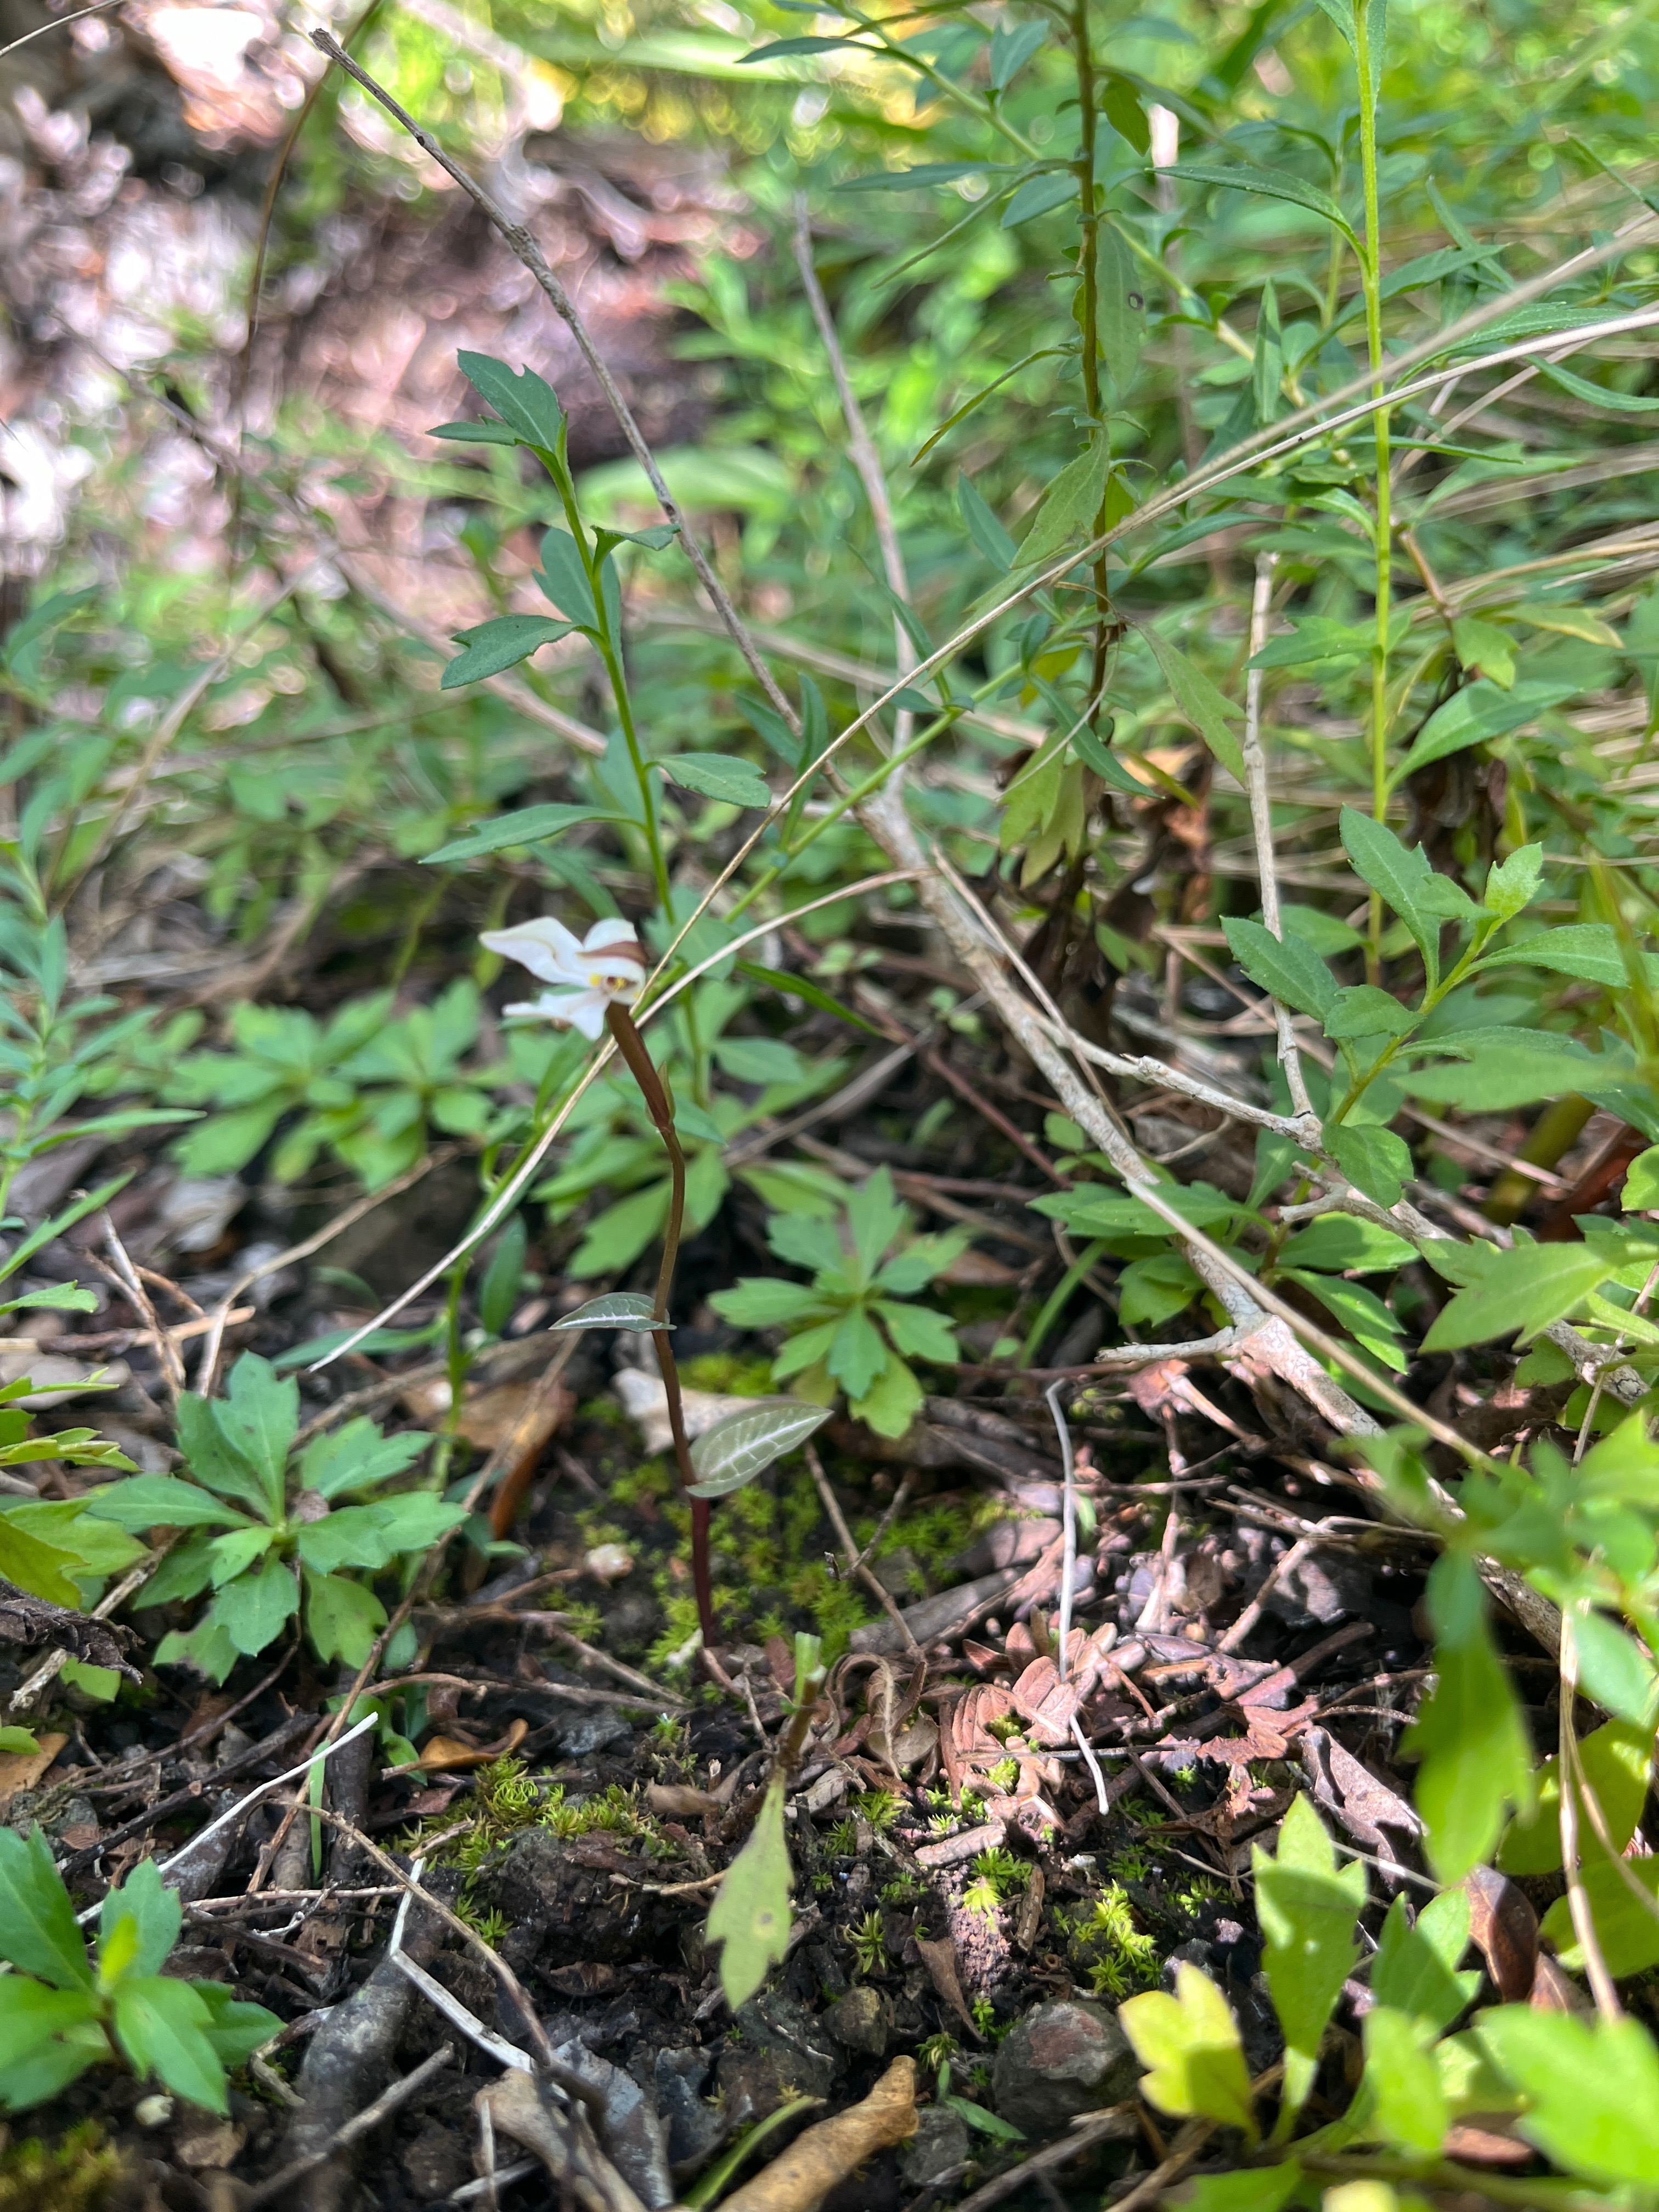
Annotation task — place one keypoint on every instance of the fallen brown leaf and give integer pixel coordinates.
(446, 1754)
(1553, 1989)
(938, 1955)
(802, 2176)
(22, 1770)
(1505, 1928)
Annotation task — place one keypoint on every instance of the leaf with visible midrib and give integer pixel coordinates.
(751, 1917)
(1275, 184)
(742, 1444)
(615, 1309)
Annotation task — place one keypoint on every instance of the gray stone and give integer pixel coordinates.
(937, 2152)
(581, 1733)
(782, 2026)
(634, 2135)
(695, 2128)
(1063, 2058)
(859, 2020)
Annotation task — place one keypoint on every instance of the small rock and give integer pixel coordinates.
(785, 2053)
(696, 2129)
(936, 2151)
(608, 1563)
(206, 2144)
(859, 2020)
(153, 2112)
(1063, 2058)
(436, 2163)
(581, 1733)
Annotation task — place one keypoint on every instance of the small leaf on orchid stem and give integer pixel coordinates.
(750, 1918)
(615, 1309)
(744, 1443)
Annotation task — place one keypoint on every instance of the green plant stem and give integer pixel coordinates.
(1089, 219)
(1370, 278)
(631, 1045)
(1055, 1305)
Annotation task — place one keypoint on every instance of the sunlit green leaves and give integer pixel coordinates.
(1523, 1290)
(1189, 2045)
(1591, 2090)
(1307, 1906)
(1469, 1736)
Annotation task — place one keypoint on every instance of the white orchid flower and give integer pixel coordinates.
(590, 972)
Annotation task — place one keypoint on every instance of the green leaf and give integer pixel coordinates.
(1252, 2188)
(1616, 1758)
(1408, 2106)
(1363, 1011)
(1591, 2090)
(1415, 1970)
(742, 1444)
(857, 1354)
(924, 174)
(1513, 884)
(877, 1217)
(1397, 875)
(493, 646)
(525, 403)
(1013, 44)
(1474, 716)
(1340, 1244)
(751, 1917)
(1373, 1159)
(151, 1913)
(1469, 1734)
(356, 1456)
(1040, 195)
(498, 1292)
(1295, 975)
(37, 1921)
(891, 1402)
(1641, 1191)
(917, 1331)
(1308, 1909)
(55, 1294)
(1069, 506)
(984, 526)
(235, 1552)
(253, 1611)
(484, 431)
(1198, 702)
(161, 2025)
(629, 1309)
(760, 1302)
(30, 2015)
(1275, 184)
(1523, 1289)
(15, 1740)
(1588, 950)
(1614, 1668)
(1626, 1929)
(1594, 395)
(235, 2029)
(1315, 640)
(1121, 307)
(42, 1570)
(1189, 2045)
(718, 775)
(525, 825)
(342, 1619)
(987, 2123)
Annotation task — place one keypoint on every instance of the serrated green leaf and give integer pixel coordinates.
(37, 1921)
(1290, 970)
(1523, 1290)
(1198, 701)
(525, 403)
(494, 647)
(1308, 1908)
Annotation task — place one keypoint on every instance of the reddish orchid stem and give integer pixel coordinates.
(631, 1045)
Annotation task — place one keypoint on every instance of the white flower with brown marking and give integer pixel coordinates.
(589, 973)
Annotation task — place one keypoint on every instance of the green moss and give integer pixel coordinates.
(73, 2174)
(652, 1481)
(727, 1374)
(601, 1413)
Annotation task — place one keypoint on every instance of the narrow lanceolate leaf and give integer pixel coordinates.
(718, 775)
(1209, 710)
(1069, 506)
(744, 1444)
(750, 1918)
(616, 1309)
(524, 825)
(1292, 970)
(1273, 184)
(496, 646)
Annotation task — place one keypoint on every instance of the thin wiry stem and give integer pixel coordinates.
(1583, 1921)
(526, 248)
(1261, 824)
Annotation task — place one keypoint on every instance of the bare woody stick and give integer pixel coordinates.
(525, 246)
